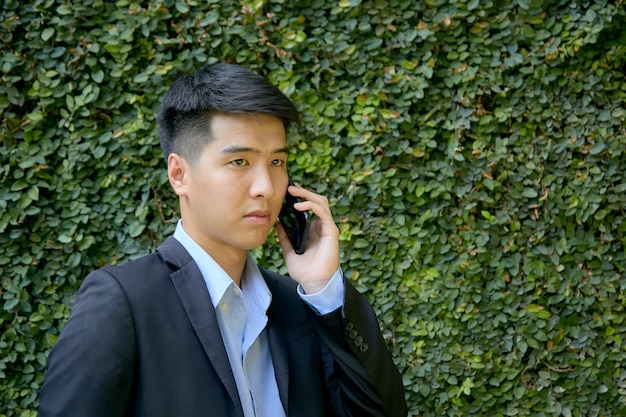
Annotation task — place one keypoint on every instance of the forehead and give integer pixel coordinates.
(258, 131)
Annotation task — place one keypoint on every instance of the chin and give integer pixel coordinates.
(254, 243)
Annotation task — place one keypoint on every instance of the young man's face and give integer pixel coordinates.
(231, 198)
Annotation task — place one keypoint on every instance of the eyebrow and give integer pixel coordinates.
(244, 149)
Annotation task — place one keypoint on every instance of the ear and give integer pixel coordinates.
(178, 171)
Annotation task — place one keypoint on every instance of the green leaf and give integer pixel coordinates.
(35, 116)
(97, 76)
(597, 148)
(136, 229)
(10, 304)
(64, 238)
(182, 7)
(47, 33)
(33, 193)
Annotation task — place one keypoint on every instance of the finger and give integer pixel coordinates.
(307, 194)
(318, 204)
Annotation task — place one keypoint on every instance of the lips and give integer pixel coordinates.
(259, 217)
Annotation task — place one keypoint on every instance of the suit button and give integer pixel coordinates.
(364, 347)
(349, 326)
(353, 334)
(358, 341)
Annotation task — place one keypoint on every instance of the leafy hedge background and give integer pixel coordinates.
(473, 152)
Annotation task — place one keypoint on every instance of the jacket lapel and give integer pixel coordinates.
(277, 341)
(193, 294)
(278, 350)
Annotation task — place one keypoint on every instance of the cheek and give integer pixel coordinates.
(281, 187)
(277, 201)
(282, 182)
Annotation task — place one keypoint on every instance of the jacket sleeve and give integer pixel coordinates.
(368, 380)
(90, 368)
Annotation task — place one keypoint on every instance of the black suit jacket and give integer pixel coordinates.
(143, 340)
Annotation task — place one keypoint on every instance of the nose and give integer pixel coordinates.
(262, 184)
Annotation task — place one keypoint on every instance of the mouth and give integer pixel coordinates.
(259, 217)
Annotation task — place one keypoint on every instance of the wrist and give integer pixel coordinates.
(314, 287)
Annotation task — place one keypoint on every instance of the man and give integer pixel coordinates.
(198, 328)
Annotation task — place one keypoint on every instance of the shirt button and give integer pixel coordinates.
(224, 306)
(236, 291)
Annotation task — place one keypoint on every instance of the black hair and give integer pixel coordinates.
(184, 118)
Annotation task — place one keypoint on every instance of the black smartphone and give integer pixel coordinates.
(296, 223)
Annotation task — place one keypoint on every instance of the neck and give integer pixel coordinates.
(232, 263)
(231, 260)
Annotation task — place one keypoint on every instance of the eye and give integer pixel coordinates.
(278, 162)
(239, 162)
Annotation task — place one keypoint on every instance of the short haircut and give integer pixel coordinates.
(184, 118)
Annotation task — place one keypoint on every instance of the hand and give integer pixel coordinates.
(314, 268)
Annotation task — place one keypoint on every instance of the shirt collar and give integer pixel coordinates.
(254, 286)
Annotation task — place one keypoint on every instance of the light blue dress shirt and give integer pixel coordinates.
(242, 318)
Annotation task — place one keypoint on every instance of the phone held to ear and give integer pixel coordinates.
(296, 223)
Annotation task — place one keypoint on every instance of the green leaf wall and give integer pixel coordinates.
(473, 152)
